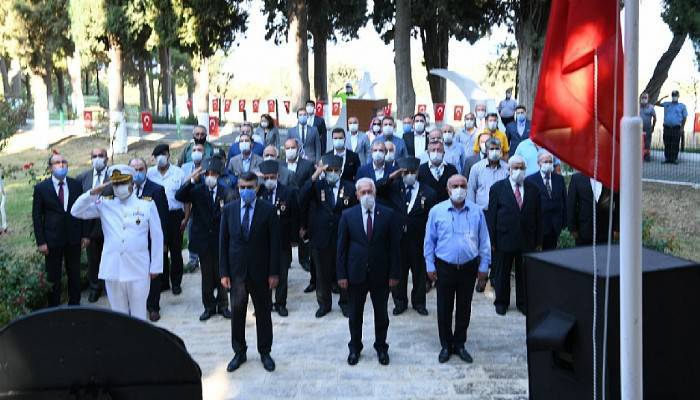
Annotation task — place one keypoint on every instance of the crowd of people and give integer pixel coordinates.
(447, 208)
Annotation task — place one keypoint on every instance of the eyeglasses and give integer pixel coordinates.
(60, 162)
(98, 156)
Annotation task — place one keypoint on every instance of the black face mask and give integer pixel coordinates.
(200, 141)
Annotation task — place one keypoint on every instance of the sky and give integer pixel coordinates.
(371, 54)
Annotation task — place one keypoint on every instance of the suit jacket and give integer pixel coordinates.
(374, 260)
(256, 257)
(425, 177)
(157, 193)
(235, 165)
(398, 142)
(512, 229)
(53, 225)
(305, 169)
(382, 185)
(287, 206)
(320, 124)
(93, 226)
(323, 215)
(579, 208)
(469, 163)
(311, 148)
(235, 150)
(362, 149)
(272, 137)
(514, 137)
(412, 223)
(409, 139)
(351, 165)
(206, 214)
(553, 215)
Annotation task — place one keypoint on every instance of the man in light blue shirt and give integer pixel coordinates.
(457, 249)
(455, 152)
(529, 150)
(485, 173)
(675, 115)
(388, 127)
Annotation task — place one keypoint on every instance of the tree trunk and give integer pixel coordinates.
(200, 101)
(165, 74)
(15, 76)
(660, 74)
(86, 92)
(115, 76)
(61, 87)
(5, 78)
(173, 93)
(48, 81)
(320, 66)
(143, 86)
(41, 111)
(405, 95)
(76, 97)
(299, 76)
(97, 82)
(529, 34)
(151, 89)
(190, 89)
(435, 40)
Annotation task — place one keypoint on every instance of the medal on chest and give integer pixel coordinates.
(323, 196)
(221, 204)
(138, 217)
(422, 202)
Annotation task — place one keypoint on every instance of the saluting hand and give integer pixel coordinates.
(396, 173)
(194, 176)
(319, 169)
(97, 190)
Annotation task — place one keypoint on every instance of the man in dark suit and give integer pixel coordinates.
(144, 188)
(552, 198)
(285, 200)
(411, 202)
(436, 172)
(583, 191)
(368, 262)
(514, 222)
(208, 199)
(58, 234)
(89, 180)
(351, 161)
(249, 263)
(416, 135)
(317, 122)
(326, 199)
(307, 137)
(517, 130)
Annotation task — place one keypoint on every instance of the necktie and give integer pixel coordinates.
(246, 222)
(211, 197)
(303, 134)
(60, 194)
(518, 196)
(139, 191)
(369, 224)
(268, 197)
(98, 179)
(548, 183)
(409, 189)
(332, 196)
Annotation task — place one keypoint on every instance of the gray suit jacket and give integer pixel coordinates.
(311, 148)
(236, 164)
(271, 138)
(86, 179)
(362, 149)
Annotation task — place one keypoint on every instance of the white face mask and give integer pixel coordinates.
(122, 191)
(378, 155)
(469, 124)
(263, 124)
(494, 154)
(353, 127)
(367, 201)
(98, 163)
(310, 110)
(162, 160)
(338, 143)
(389, 156)
(480, 114)
(458, 194)
(244, 146)
(376, 128)
(332, 177)
(210, 181)
(291, 153)
(436, 157)
(547, 167)
(270, 184)
(492, 125)
(388, 130)
(197, 156)
(447, 137)
(419, 127)
(409, 179)
(517, 175)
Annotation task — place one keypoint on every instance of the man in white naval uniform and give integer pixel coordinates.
(129, 259)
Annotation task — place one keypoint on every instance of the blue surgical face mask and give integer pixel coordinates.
(520, 117)
(303, 119)
(247, 195)
(60, 173)
(406, 128)
(140, 178)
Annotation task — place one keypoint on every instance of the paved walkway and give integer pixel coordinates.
(310, 353)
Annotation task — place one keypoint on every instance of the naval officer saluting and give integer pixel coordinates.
(128, 264)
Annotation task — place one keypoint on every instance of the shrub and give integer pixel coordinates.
(23, 284)
(13, 114)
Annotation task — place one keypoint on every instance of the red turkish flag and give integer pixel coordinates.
(387, 110)
(213, 125)
(319, 109)
(87, 117)
(422, 108)
(147, 121)
(215, 105)
(227, 105)
(241, 105)
(335, 111)
(563, 116)
(256, 105)
(270, 106)
(287, 105)
(439, 112)
(189, 104)
(458, 112)
(696, 128)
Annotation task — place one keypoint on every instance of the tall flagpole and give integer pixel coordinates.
(631, 350)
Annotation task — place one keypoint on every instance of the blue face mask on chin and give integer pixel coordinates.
(60, 173)
(247, 195)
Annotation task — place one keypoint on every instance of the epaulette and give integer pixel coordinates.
(147, 198)
(108, 197)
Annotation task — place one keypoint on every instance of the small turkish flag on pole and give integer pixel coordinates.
(696, 129)
(270, 106)
(336, 109)
(189, 104)
(439, 112)
(422, 108)
(256, 105)
(215, 105)
(213, 125)
(319, 108)
(387, 110)
(227, 105)
(87, 117)
(458, 112)
(147, 121)
(241, 105)
(287, 104)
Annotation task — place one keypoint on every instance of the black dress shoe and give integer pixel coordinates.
(177, 290)
(93, 296)
(206, 315)
(383, 357)
(353, 358)
(501, 310)
(421, 310)
(464, 355)
(399, 310)
(335, 288)
(267, 362)
(321, 312)
(345, 311)
(522, 310)
(282, 310)
(153, 316)
(226, 313)
(444, 356)
(236, 362)
(310, 288)
(165, 287)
